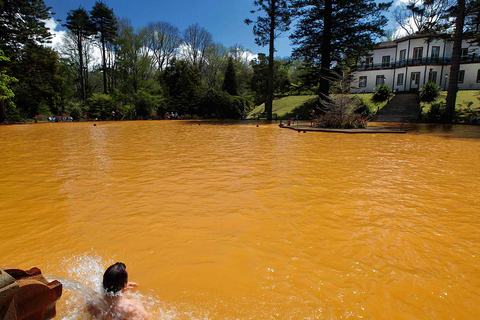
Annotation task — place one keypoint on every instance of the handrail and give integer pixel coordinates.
(416, 62)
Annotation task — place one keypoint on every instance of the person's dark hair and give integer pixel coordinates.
(115, 278)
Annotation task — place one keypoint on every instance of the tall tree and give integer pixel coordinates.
(78, 64)
(214, 64)
(329, 31)
(38, 89)
(241, 58)
(182, 84)
(105, 25)
(6, 92)
(135, 65)
(79, 23)
(266, 29)
(455, 62)
(197, 41)
(230, 80)
(472, 21)
(163, 40)
(23, 22)
(260, 79)
(423, 16)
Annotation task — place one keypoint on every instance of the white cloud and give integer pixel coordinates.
(249, 56)
(58, 38)
(58, 35)
(399, 3)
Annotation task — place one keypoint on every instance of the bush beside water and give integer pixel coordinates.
(429, 92)
(381, 94)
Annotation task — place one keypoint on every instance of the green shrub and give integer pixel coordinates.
(219, 104)
(129, 112)
(75, 111)
(429, 92)
(363, 109)
(382, 93)
(437, 113)
(100, 106)
(146, 103)
(468, 114)
(336, 121)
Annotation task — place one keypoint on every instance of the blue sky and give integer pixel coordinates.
(222, 18)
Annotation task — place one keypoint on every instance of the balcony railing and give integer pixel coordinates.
(416, 62)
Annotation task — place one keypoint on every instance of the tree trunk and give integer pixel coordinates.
(104, 64)
(324, 88)
(271, 52)
(3, 114)
(455, 64)
(80, 55)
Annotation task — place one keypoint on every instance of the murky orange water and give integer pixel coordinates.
(229, 221)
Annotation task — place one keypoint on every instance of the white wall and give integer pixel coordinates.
(470, 80)
(469, 83)
(371, 79)
(380, 53)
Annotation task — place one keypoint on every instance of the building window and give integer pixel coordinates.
(435, 52)
(369, 62)
(461, 76)
(380, 80)
(432, 76)
(464, 56)
(386, 62)
(478, 76)
(403, 54)
(417, 53)
(362, 82)
(400, 79)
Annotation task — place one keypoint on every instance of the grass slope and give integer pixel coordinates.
(462, 97)
(286, 105)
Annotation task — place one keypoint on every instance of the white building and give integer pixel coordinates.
(406, 64)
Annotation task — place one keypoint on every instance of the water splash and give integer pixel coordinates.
(83, 285)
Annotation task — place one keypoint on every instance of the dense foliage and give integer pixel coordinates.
(335, 32)
(429, 92)
(6, 92)
(381, 94)
(268, 27)
(106, 69)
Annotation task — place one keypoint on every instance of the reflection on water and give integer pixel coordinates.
(227, 220)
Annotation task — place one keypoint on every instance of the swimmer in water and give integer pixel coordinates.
(115, 283)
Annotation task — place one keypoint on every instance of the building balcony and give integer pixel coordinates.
(416, 62)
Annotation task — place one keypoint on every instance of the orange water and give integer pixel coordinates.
(230, 220)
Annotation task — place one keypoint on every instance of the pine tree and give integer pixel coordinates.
(266, 30)
(104, 24)
(79, 23)
(328, 31)
(22, 22)
(230, 81)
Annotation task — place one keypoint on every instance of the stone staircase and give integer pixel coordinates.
(404, 107)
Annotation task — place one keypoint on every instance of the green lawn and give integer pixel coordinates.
(462, 97)
(286, 105)
(281, 106)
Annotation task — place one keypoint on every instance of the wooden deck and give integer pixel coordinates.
(370, 130)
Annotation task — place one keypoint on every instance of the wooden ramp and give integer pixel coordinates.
(370, 130)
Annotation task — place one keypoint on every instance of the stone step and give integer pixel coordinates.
(402, 107)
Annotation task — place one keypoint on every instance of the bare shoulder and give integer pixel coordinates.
(132, 309)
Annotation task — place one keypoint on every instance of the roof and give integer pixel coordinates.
(387, 44)
(392, 44)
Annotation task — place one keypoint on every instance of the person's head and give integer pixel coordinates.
(115, 278)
